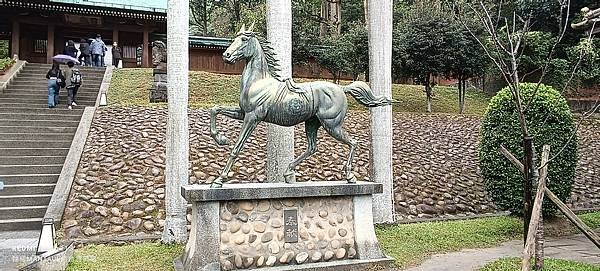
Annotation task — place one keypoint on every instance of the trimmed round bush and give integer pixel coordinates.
(549, 121)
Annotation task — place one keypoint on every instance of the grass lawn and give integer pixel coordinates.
(130, 87)
(514, 264)
(409, 244)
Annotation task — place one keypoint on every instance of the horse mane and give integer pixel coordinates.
(270, 57)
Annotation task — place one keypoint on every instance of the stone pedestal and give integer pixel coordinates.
(158, 91)
(278, 226)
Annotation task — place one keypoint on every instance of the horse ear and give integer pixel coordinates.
(251, 27)
(243, 29)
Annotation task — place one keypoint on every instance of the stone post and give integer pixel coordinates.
(380, 77)
(280, 140)
(177, 160)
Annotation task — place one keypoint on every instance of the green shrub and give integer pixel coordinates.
(5, 63)
(4, 49)
(550, 122)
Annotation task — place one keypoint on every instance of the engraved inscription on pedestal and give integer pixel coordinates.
(290, 217)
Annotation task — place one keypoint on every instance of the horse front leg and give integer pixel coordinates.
(234, 112)
(250, 122)
(311, 127)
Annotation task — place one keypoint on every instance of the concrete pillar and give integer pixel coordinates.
(146, 45)
(280, 140)
(176, 171)
(15, 39)
(380, 77)
(50, 45)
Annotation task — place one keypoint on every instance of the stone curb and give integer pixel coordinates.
(12, 73)
(67, 175)
(105, 84)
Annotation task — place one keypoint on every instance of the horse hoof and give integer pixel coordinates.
(222, 140)
(290, 177)
(351, 178)
(217, 183)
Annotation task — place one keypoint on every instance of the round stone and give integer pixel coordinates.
(264, 205)
(331, 233)
(276, 223)
(247, 205)
(232, 207)
(267, 237)
(234, 226)
(238, 261)
(252, 238)
(239, 239)
(303, 234)
(226, 216)
(351, 252)
(321, 235)
(323, 213)
(259, 227)
(335, 244)
(340, 253)
(226, 265)
(310, 246)
(116, 220)
(316, 256)
(301, 257)
(271, 261)
(101, 210)
(148, 225)
(342, 232)
(90, 231)
(69, 223)
(339, 218)
(287, 257)
(322, 244)
(134, 223)
(328, 255)
(246, 228)
(260, 261)
(274, 247)
(225, 237)
(248, 262)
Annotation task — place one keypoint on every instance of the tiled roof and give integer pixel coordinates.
(141, 5)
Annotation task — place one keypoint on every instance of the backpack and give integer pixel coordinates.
(76, 77)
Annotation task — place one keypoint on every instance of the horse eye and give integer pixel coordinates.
(244, 38)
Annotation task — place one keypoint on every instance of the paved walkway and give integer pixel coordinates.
(17, 247)
(576, 248)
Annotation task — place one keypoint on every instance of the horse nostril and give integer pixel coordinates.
(226, 54)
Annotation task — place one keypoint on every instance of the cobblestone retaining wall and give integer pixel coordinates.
(119, 186)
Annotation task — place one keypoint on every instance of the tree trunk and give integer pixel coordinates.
(331, 13)
(280, 140)
(428, 93)
(177, 138)
(462, 89)
(539, 245)
(380, 78)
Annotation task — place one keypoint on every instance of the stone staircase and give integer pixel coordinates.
(34, 142)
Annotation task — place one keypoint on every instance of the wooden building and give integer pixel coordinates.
(39, 29)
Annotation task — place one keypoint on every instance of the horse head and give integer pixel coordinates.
(159, 52)
(244, 46)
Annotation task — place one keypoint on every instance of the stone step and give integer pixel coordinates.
(36, 136)
(24, 105)
(43, 71)
(43, 84)
(45, 67)
(24, 200)
(30, 169)
(44, 123)
(35, 143)
(30, 95)
(34, 75)
(32, 160)
(44, 151)
(27, 189)
(30, 178)
(22, 212)
(21, 224)
(37, 129)
(20, 110)
(50, 116)
(41, 100)
(44, 89)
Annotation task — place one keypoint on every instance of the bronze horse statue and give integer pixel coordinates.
(265, 96)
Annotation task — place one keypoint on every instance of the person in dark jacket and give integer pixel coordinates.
(116, 54)
(55, 80)
(84, 57)
(70, 49)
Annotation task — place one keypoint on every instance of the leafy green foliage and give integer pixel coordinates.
(514, 264)
(550, 122)
(4, 49)
(410, 244)
(6, 63)
(144, 256)
(347, 53)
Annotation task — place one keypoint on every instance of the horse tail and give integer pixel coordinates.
(363, 94)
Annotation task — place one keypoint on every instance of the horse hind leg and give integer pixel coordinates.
(311, 128)
(335, 129)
